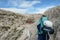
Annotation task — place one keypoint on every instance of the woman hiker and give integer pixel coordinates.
(45, 27)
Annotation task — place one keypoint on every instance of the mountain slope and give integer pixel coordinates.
(15, 26)
(54, 16)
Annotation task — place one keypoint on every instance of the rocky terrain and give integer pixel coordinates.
(14, 26)
(54, 16)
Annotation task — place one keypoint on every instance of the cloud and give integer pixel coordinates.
(22, 3)
(42, 10)
(12, 2)
(15, 10)
(27, 4)
(29, 11)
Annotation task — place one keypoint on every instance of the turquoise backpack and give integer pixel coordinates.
(41, 25)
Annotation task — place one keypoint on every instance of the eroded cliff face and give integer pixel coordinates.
(54, 16)
(17, 26)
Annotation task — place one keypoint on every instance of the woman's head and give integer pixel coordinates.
(43, 15)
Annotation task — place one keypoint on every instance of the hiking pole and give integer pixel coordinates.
(49, 35)
(46, 36)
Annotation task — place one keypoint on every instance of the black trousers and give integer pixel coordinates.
(43, 36)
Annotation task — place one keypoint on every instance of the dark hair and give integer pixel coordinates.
(43, 15)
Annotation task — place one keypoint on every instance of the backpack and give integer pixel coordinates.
(40, 24)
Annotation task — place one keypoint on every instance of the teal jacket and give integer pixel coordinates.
(40, 24)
